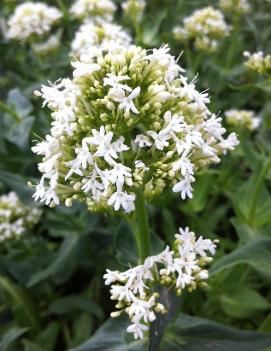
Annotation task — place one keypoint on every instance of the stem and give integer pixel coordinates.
(140, 227)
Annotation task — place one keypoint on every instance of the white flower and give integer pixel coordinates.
(184, 187)
(84, 69)
(137, 329)
(32, 18)
(142, 140)
(181, 268)
(126, 102)
(97, 9)
(160, 139)
(122, 199)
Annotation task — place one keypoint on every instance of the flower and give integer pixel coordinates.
(243, 118)
(15, 217)
(128, 120)
(240, 7)
(134, 9)
(181, 268)
(92, 37)
(31, 19)
(258, 62)
(95, 9)
(205, 27)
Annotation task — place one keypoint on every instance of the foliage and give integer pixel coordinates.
(52, 295)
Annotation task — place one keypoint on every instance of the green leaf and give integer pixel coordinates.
(20, 103)
(125, 245)
(21, 303)
(64, 261)
(18, 132)
(172, 304)
(17, 183)
(242, 302)
(150, 37)
(72, 303)
(198, 334)
(10, 337)
(112, 337)
(47, 339)
(256, 254)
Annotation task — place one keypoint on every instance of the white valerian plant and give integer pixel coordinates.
(93, 9)
(243, 118)
(15, 217)
(134, 9)
(92, 37)
(258, 62)
(128, 122)
(181, 268)
(239, 7)
(32, 19)
(205, 27)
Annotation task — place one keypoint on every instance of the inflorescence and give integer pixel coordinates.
(239, 7)
(183, 267)
(32, 20)
(205, 27)
(93, 9)
(258, 62)
(15, 217)
(128, 120)
(243, 118)
(93, 37)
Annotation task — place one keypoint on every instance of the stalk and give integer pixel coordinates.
(140, 227)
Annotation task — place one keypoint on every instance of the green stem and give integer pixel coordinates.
(140, 227)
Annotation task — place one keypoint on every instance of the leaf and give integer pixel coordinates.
(20, 103)
(256, 253)
(111, 337)
(198, 334)
(172, 304)
(64, 261)
(10, 337)
(17, 183)
(21, 303)
(47, 339)
(125, 245)
(72, 303)
(18, 132)
(150, 36)
(242, 302)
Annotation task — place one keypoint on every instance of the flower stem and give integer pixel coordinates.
(140, 227)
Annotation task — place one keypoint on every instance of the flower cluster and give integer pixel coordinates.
(239, 7)
(205, 27)
(243, 118)
(134, 9)
(177, 269)
(94, 9)
(32, 19)
(91, 38)
(258, 62)
(129, 120)
(15, 217)
(49, 45)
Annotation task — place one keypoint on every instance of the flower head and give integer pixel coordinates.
(94, 9)
(134, 9)
(205, 27)
(31, 19)
(91, 38)
(243, 118)
(181, 268)
(128, 120)
(240, 7)
(15, 217)
(258, 62)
